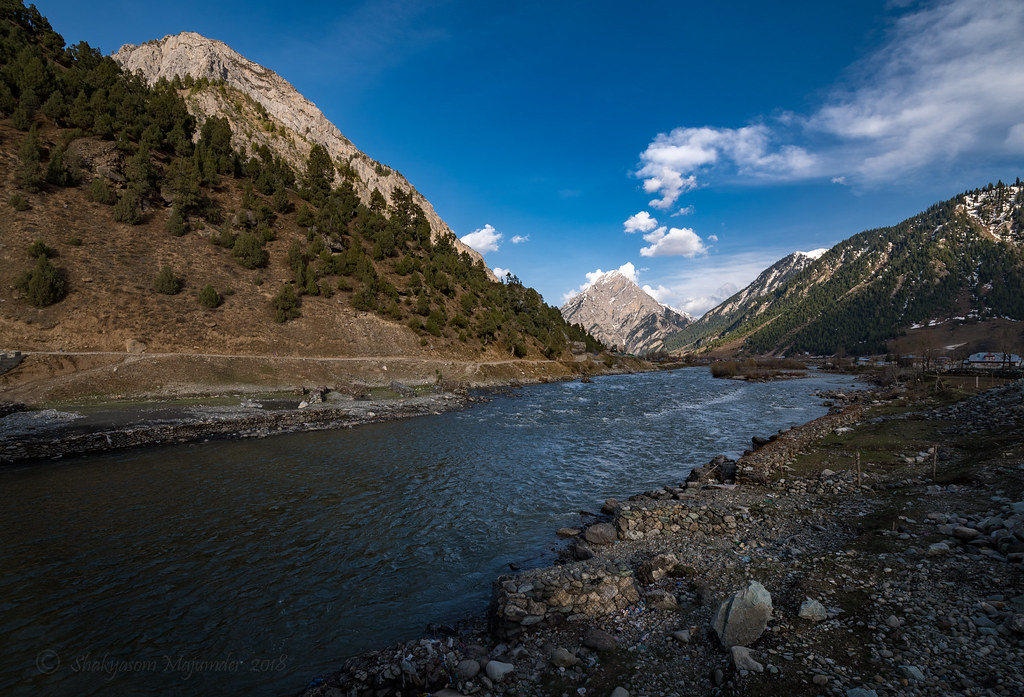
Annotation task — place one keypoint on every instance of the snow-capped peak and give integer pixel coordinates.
(814, 253)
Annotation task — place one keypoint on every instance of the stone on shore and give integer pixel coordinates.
(620, 692)
(742, 618)
(682, 636)
(563, 658)
(655, 569)
(661, 600)
(598, 640)
(467, 669)
(965, 534)
(601, 534)
(813, 610)
(742, 659)
(497, 670)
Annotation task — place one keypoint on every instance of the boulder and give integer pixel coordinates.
(497, 670)
(813, 610)
(742, 618)
(661, 600)
(467, 669)
(601, 534)
(657, 568)
(742, 659)
(581, 551)
(610, 506)
(134, 346)
(620, 692)
(682, 636)
(563, 658)
(402, 389)
(965, 534)
(599, 640)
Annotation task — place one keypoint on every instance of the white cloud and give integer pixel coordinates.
(712, 238)
(1015, 138)
(946, 84)
(641, 222)
(670, 164)
(519, 239)
(661, 293)
(949, 82)
(686, 210)
(500, 272)
(627, 270)
(682, 242)
(484, 240)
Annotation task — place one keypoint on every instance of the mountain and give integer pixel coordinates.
(723, 317)
(962, 260)
(263, 109)
(219, 213)
(619, 313)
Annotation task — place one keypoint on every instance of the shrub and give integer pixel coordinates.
(75, 241)
(44, 284)
(435, 322)
(100, 192)
(167, 283)
(249, 252)
(176, 222)
(19, 202)
(305, 217)
(126, 210)
(208, 297)
(41, 249)
(285, 304)
(224, 237)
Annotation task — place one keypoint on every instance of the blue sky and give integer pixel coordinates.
(689, 144)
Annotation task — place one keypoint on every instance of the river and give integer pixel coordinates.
(251, 566)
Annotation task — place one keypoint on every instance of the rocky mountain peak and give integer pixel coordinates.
(619, 313)
(278, 115)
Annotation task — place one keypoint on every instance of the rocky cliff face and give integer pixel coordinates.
(619, 313)
(767, 282)
(263, 108)
(723, 316)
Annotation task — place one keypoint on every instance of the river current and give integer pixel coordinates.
(248, 567)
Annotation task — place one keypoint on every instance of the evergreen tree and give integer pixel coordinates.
(44, 284)
(167, 283)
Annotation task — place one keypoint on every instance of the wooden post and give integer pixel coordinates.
(935, 457)
(858, 469)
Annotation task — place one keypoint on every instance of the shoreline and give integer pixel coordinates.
(75, 427)
(629, 608)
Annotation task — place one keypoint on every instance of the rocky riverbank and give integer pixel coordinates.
(875, 551)
(51, 433)
(81, 404)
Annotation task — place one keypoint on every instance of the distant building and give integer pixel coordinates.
(992, 360)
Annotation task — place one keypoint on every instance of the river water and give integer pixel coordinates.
(248, 567)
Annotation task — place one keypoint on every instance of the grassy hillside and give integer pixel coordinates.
(961, 258)
(124, 223)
